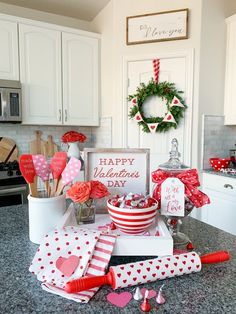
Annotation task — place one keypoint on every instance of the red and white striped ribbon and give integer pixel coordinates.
(156, 68)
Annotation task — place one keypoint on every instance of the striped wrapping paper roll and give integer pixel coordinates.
(155, 269)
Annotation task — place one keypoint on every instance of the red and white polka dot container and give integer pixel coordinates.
(44, 215)
(132, 221)
(219, 163)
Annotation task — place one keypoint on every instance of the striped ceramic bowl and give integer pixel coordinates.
(132, 221)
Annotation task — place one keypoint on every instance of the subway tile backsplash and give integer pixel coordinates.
(23, 135)
(218, 139)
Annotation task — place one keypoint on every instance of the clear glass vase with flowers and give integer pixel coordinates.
(83, 195)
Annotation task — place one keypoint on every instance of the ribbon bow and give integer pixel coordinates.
(190, 180)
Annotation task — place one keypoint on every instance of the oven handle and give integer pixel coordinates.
(12, 190)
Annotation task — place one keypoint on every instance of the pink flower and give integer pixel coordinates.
(98, 190)
(80, 192)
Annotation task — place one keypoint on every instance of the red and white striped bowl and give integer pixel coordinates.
(132, 221)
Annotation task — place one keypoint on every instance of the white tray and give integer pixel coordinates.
(129, 245)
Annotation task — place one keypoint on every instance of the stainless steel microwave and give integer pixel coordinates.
(10, 101)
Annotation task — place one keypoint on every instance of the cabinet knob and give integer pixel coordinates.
(60, 115)
(228, 186)
(65, 115)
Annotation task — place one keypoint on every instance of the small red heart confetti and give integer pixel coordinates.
(129, 273)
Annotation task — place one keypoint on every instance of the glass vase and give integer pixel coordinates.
(85, 213)
(174, 223)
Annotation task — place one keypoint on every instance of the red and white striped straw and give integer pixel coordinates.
(156, 68)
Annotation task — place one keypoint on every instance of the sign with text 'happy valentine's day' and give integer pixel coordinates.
(172, 197)
(121, 170)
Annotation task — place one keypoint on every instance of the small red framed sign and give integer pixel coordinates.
(121, 170)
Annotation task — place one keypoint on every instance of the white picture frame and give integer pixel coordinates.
(112, 166)
(155, 27)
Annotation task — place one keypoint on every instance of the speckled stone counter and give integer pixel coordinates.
(213, 290)
(219, 173)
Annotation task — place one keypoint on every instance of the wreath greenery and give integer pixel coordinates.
(166, 91)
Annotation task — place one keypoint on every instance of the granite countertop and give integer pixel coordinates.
(212, 290)
(220, 173)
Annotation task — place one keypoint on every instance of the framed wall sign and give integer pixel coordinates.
(121, 170)
(154, 27)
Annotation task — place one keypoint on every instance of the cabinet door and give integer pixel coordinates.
(230, 75)
(221, 213)
(9, 68)
(40, 70)
(80, 79)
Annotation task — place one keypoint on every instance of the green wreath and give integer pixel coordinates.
(166, 91)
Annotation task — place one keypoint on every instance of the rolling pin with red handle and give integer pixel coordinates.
(146, 271)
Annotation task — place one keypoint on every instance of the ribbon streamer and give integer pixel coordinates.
(190, 181)
(156, 68)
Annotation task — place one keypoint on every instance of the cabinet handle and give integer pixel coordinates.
(65, 115)
(228, 186)
(60, 115)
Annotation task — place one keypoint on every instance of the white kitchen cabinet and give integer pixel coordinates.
(230, 73)
(221, 212)
(40, 72)
(9, 60)
(80, 79)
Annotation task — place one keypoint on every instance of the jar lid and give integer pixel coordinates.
(174, 164)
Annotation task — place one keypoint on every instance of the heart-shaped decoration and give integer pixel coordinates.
(151, 293)
(129, 273)
(138, 118)
(67, 265)
(176, 101)
(152, 127)
(168, 117)
(120, 300)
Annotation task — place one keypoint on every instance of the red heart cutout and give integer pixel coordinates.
(198, 266)
(189, 267)
(193, 254)
(154, 275)
(168, 259)
(67, 265)
(185, 256)
(163, 273)
(129, 273)
(122, 267)
(175, 264)
(134, 101)
(141, 264)
(159, 260)
(176, 257)
(152, 127)
(166, 265)
(157, 267)
(119, 275)
(181, 269)
(176, 101)
(132, 266)
(148, 268)
(138, 118)
(184, 262)
(144, 277)
(135, 278)
(139, 271)
(151, 262)
(172, 271)
(120, 300)
(192, 260)
(125, 280)
(169, 117)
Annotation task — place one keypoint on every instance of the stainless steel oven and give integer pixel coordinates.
(13, 188)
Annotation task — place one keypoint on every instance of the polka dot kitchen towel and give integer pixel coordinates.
(70, 253)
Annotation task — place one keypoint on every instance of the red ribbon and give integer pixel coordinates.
(190, 181)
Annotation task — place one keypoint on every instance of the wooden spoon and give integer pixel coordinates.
(42, 169)
(28, 171)
(57, 165)
(70, 172)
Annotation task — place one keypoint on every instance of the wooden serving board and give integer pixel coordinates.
(37, 146)
(8, 150)
(50, 148)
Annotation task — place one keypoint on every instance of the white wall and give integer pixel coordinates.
(206, 37)
(43, 16)
(111, 22)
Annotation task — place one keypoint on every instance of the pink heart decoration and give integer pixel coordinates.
(176, 101)
(151, 293)
(120, 300)
(138, 118)
(67, 265)
(153, 127)
(169, 117)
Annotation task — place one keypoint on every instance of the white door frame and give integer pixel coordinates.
(188, 54)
